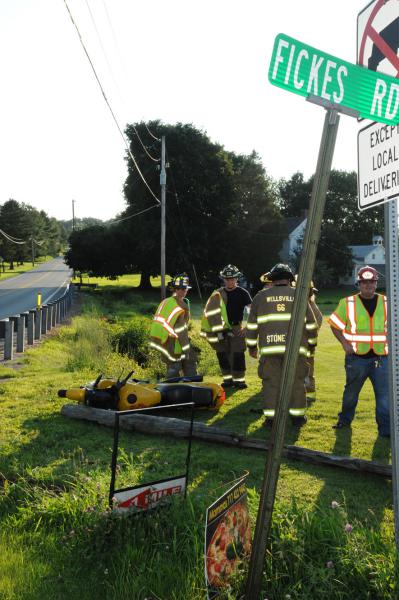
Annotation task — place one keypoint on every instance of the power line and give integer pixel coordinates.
(10, 239)
(108, 104)
(135, 214)
(151, 134)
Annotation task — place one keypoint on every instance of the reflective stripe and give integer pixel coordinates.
(337, 321)
(267, 318)
(165, 325)
(212, 340)
(186, 347)
(203, 334)
(238, 378)
(269, 412)
(297, 412)
(251, 342)
(310, 326)
(174, 312)
(225, 377)
(280, 350)
(209, 313)
(252, 326)
(180, 329)
(312, 341)
(217, 328)
(361, 337)
(164, 351)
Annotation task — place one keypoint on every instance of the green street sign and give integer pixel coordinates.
(308, 72)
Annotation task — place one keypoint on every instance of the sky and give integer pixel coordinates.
(204, 63)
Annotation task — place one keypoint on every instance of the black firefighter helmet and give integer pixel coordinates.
(230, 271)
(281, 271)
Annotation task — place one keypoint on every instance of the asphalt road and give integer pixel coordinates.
(19, 294)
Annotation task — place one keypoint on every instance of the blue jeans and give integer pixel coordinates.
(357, 371)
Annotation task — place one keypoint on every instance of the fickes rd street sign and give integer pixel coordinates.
(306, 71)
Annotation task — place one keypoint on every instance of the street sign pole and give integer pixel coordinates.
(272, 466)
(392, 282)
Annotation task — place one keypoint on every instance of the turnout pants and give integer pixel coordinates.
(269, 370)
(230, 352)
(310, 382)
(186, 367)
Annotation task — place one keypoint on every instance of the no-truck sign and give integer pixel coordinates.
(378, 37)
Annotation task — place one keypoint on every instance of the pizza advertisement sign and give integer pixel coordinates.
(227, 537)
(144, 497)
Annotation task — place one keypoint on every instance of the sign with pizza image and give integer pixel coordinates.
(227, 537)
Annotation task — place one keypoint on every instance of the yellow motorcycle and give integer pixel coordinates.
(130, 394)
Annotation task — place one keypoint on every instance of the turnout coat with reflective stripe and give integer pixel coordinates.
(214, 318)
(312, 340)
(364, 332)
(169, 329)
(269, 318)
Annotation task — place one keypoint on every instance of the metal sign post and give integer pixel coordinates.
(272, 466)
(392, 279)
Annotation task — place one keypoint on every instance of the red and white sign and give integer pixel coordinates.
(147, 496)
(378, 145)
(378, 37)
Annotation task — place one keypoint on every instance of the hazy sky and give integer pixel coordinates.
(204, 63)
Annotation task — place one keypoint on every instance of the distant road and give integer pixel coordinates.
(19, 293)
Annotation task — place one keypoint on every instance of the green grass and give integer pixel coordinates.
(58, 540)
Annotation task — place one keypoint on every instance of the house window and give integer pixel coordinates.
(373, 256)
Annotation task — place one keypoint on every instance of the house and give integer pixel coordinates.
(372, 254)
(295, 231)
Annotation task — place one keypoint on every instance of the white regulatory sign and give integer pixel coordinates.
(378, 164)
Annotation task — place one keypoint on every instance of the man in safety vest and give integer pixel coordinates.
(360, 324)
(221, 325)
(169, 330)
(267, 330)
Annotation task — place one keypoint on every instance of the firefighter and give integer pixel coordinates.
(267, 330)
(310, 382)
(169, 330)
(265, 279)
(222, 326)
(360, 324)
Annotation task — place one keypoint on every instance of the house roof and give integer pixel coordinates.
(292, 223)
(362, 251)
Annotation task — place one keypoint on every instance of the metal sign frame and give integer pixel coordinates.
(114, 459)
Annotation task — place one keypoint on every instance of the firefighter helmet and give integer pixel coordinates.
(180, 282)
(281, 271)
(367, 274)
(229, 272)
(265, 278)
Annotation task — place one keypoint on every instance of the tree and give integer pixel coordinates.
(343, 224)
(220, 206)
(14, 222)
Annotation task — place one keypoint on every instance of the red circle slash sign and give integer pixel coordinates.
(381, 44)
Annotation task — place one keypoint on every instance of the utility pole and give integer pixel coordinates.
(73, 215)
(33, 251)
(162, 180)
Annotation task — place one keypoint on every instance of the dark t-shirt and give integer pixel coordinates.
(237, 300)
(370, 305)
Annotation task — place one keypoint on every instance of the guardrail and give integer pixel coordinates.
(24, 329)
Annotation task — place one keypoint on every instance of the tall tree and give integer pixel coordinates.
(343, 224)
(220, 206)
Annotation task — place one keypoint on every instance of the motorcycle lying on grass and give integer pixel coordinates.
(130, 394)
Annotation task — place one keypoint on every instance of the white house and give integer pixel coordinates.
(295, 232)
(373, 255)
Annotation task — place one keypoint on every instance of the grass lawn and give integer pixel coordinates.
(58, 540)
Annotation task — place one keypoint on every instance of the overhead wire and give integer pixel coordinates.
(135, 214)
(10, 239)
(108, 105)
